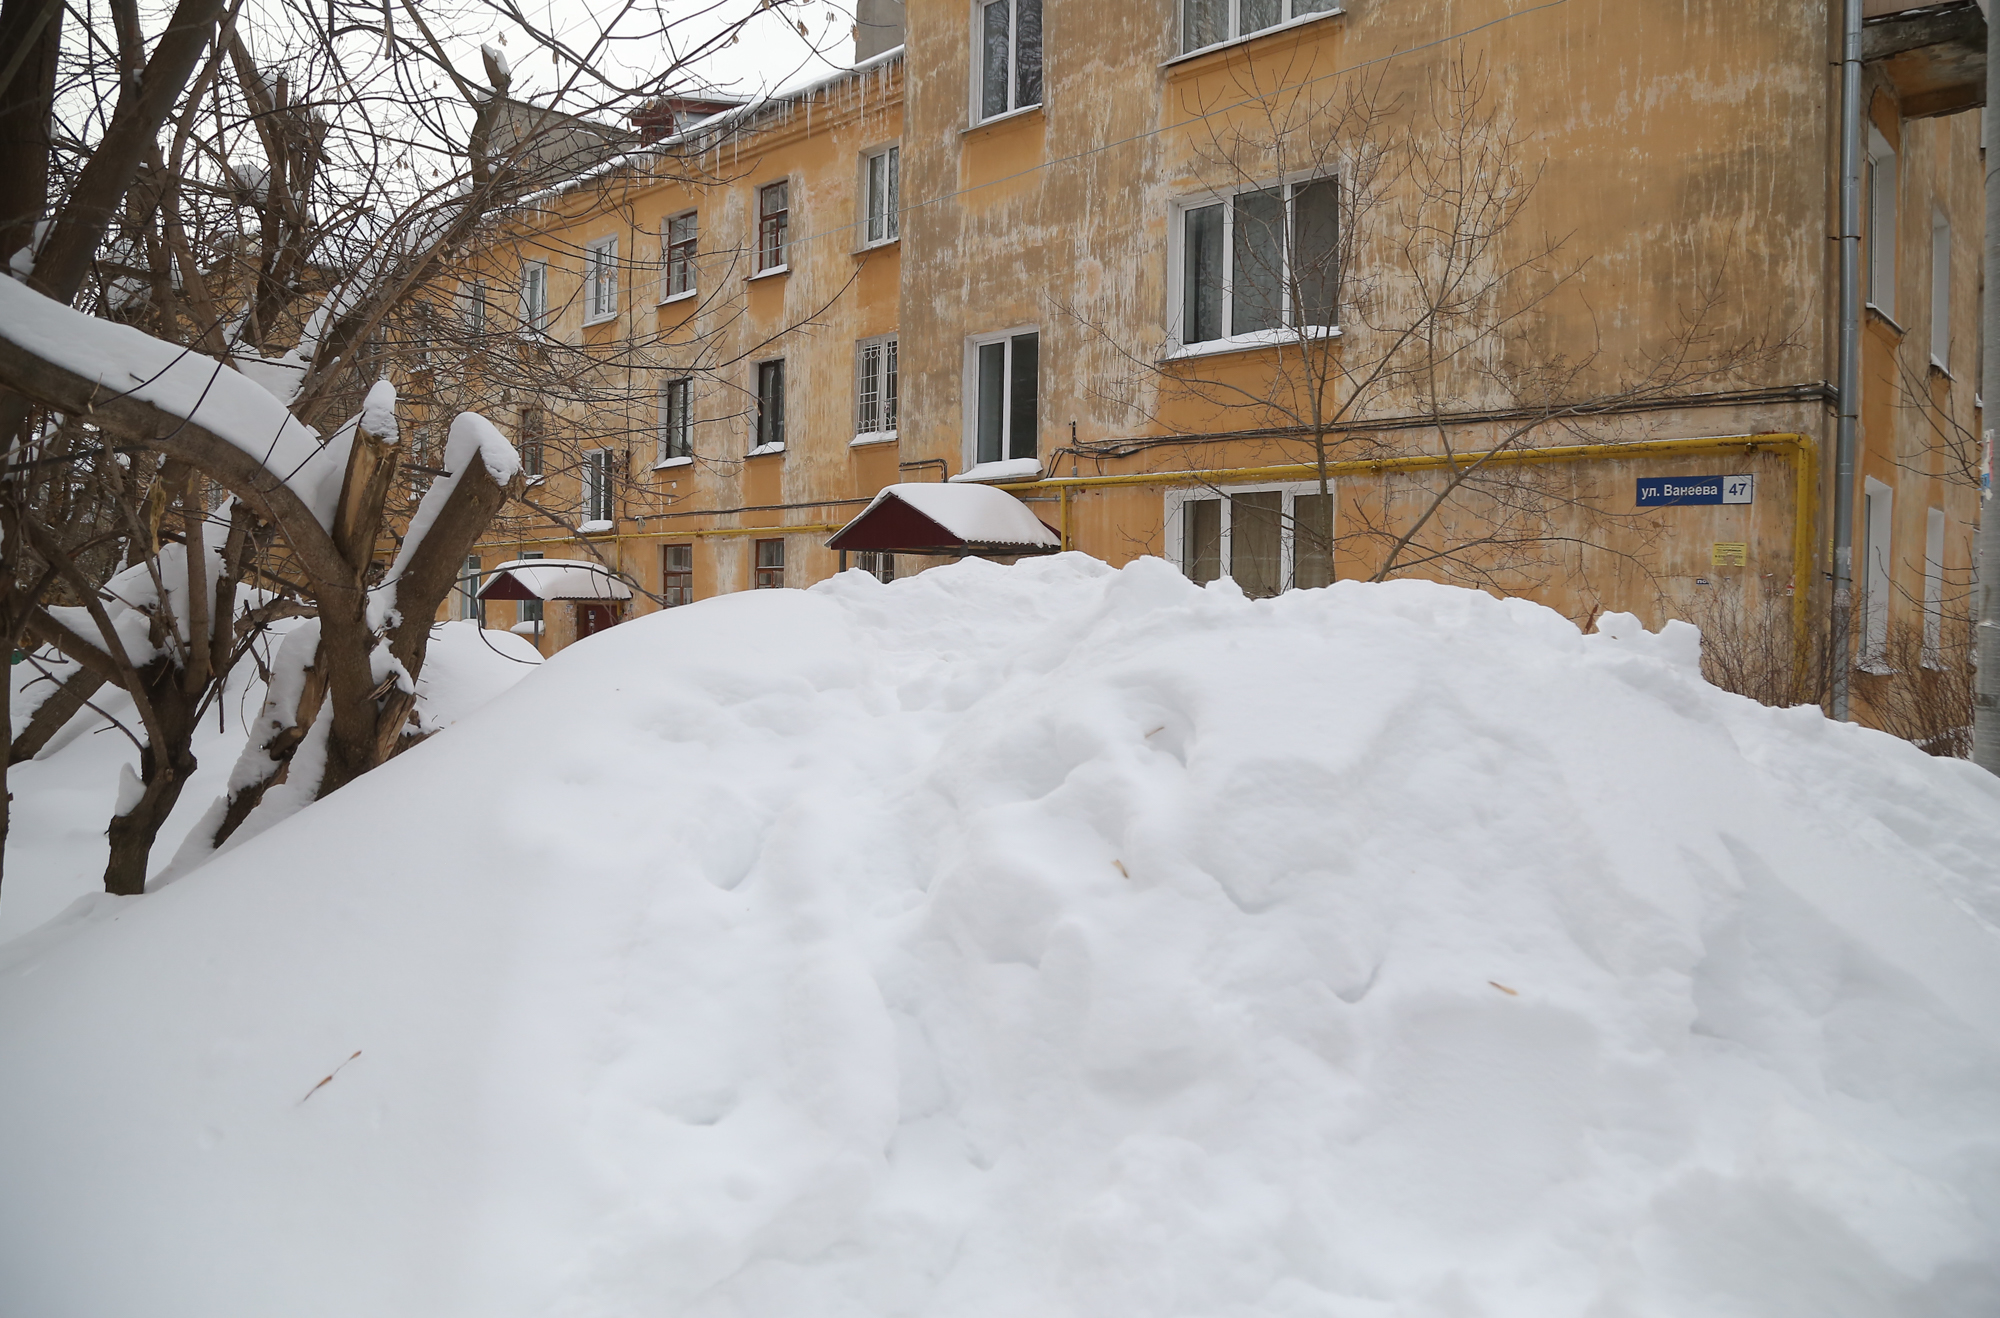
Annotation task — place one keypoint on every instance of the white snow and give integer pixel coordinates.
(1012, 469)
(180, 382)
(378, 411)
(978, 514)
(1048, 940)
(560, 579)
(472, 438)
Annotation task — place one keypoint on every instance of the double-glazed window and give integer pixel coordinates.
(1006, 371)
(884, 187)
(468, 588)
(1010, 56)
(597, 474)
(677, 234)
(774, 225)
(770, 564)
(676, 420)
(875, 387)
(534, 433)
(1879, 183)
(770, 405)
(676, 575)
(1941, 293)
(600, 280)
(1261, 260)
(1212, 22)
(535, 294)
(1265, 540)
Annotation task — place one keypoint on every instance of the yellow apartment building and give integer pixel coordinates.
(1540, 297)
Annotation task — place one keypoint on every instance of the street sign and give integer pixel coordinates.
(1676, 491)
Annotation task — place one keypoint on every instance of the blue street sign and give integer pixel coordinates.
(1674, 491)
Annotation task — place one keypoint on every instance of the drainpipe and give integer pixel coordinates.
(1986, 636)
(1850, 352)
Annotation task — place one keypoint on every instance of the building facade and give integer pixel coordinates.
(1542, 299)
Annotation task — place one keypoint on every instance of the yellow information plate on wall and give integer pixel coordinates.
(1729, 554)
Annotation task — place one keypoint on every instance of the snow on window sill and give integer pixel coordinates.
(533, 629)
(1875, 668)
(681, 296)
(596, 526)
(605, 319)
(1270, 338)
(1247, 37)
(767, 272)
(665, 463)
(867, 437)
(1012, 469)
(878, 243)
(1943, 370)
(1002, 118)
(765, 450)
(536, 479)
(1885, 318)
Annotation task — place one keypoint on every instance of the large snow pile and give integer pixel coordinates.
(1048, 940)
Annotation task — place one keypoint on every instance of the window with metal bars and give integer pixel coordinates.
(875, 388)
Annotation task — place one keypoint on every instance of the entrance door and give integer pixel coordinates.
(594, 618)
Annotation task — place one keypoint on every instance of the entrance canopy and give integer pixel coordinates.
(553, 579)
(947, 520)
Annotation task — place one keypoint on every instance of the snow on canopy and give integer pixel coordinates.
(182, 383)
(553, 579)
(1048, 939)
(947, 518)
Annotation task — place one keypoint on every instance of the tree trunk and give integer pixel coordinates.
(164, 771)
(50, 716)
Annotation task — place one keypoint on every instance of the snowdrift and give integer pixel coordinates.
(1048, 940)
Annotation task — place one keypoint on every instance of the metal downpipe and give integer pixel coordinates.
(1850, 357)
(1986, 563)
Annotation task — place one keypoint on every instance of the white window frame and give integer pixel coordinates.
(674, 443)
(971, 392)
(1231, 341)
(600, 281)
(881, 196)
(535, 296)
(474, 307)
(1941, 292)
(1880, 263)
(759, 444)
(978, 80)
(468, 588)
(1289, 12)
(783, 251)
(668, 293)
(882, 376)
(598, 481)
(1934, 524)
(1177, 500)
(533, 611)
(1877, 574)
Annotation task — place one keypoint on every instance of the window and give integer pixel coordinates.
(1941, 293)
(771, 406)
(600, 281)
(875, 388)
(535, 294)
(1266, 540)
(597, 473)
(468, 588)
(1934, 588)
(882, 567)
(1878, 512)
(884, 196)
(1880, 184)
(677, 248)
(774, 221)
(472, 307)
(534, 430)
(770, 564)
(1212, 22)
(530, 610)
(1005, 390)
(1010, 56)
(1259, 261)
(676, 575)
(676, 421)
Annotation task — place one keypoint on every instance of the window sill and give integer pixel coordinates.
(1943, 370)
(599, 526)
(767, 273)
(1024, 111)
(765, 450)
(1884, 317)
(1262, 32)
(1272, 338)
(664, 463)
(594, 321)
(1010, 469)
(878, 245)
(535, 480)
(681, 296)
(1874, 668)
(868, 437)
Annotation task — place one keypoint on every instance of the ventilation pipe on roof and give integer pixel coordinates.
(1850, 352)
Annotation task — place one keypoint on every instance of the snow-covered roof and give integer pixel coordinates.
(553, 579)
(914, 519)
